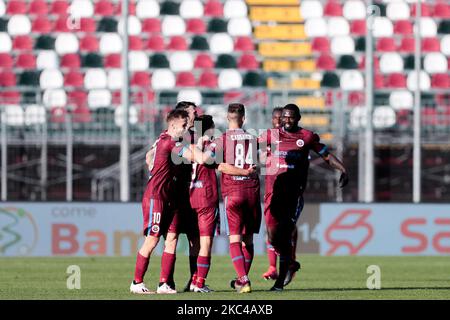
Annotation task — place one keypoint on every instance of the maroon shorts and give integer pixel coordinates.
(208, 221)
(243, 212)
(157, 217)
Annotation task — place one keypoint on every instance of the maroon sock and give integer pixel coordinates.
(272, 255)
(167, 263)
(237, 256)
(141, 268)
(249, 252)
(203, 264)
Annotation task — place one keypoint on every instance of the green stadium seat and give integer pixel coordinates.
(226, 61)
(107, 24)
(330, 80)
(159, 60)
(92, 60)
(199, 43)
(253, 79)
(29, 78)
(170, 8)
(45, 42)
(217, 25)
(347, 62)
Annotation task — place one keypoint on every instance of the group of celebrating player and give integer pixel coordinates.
(182, 193)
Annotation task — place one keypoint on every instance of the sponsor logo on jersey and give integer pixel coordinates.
(300, 143)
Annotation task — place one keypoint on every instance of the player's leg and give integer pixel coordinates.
(142, 261)
(248, 251)
(281, 239)
(168, 263)
(194, 248)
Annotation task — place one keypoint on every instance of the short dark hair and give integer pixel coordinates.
(293, 107)
(236, 108)
(277, 109)
(177, 114)
(183, 105)
(207, 122)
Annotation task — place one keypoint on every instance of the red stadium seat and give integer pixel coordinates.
(131, 8)
(104, 8)
(81, 115)
(71, 61)
(135, 43)
(213, 8)
(10, 97)
(6, 61)
(41, 25)
(208, 79)
(358, 27)
(442, 10)
(203, 61)
(248, 62)
(407, 45)
(440, 80)
(73, 79)
(87, 25)
(38, 7)
(321, 44)
(7, 79)
(356, 99)
(61, 25)
(141, 97)
(425, 12)
(26, 61)
(379, 81)
(89, 44)
(113, 60)
(429, 116)
(396, 80)
(403, 27)
(59, 7)
(244, 44)
(196, 26)
(24, 43)
(16, 7)
(333, 9)
(386, 45)
(141, 79)
(151, 25)
(431, 45)
(376, 63)
(58, 114)
(326, 62)
(185, 79)
(177, 43)
(77, 98)
(155, 43)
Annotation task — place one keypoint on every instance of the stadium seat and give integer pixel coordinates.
(22, 43)
(54, 98)
(248, 62)
(253, 79)
(320, 44)
(213, 8)
(409, 62)
(196, 26)
(77, 98)
(134, 26)
(217, 25)
(51, 79)
(89, 43)
(330, 80)
(92, 60)
(7, 79)
(44, 42)
(159, 60)
(221, 43)
(58, 114)
(311, 9)
(338, 26)
(135, 43)
(425, 10)
(66, 43)
(163, 79)
(208, 79)
(384, 117)
(26, 61)
(445, 45)
(34, 115)
(333, 9)
(169, 7)
(190, 95)
(16, 7)
(358, 27)
(87, 25)
(99, 98)
(239, 27)
(444, 27)
(108, 24)
(181, 61)
(132, 115)
(114, 81)
(407, 45)
(352, 80)
(173, 26)
(47, 59)
(203, 61)
(147, 9)
(41, 25)
(403, 27)
(113, 60)
(59, 8)
(244, 43)
(379, 81)
(401, 99)
(428, 28)
(440, 81)
(316, 27)
(14, 115)
(382, 27)
(342, 45)
(354, 10)
(386, 45)
(177, 43)
(110, 43)
(3, 24)
(235, 9)
(19, 25)
(81, 9)
(347, 62)
(151, 25)
(435, 62)
(229, 79)
(442, 10)
(396, 80)
(397, 11)
(326, 62)
(411, 81)
(185, 79)
(155, 43)
(81, 115)
(138, 61)
(38, 7)
(431, 45)
(191, 9)
(140, 79)
(6, 61)
(95, 78)
(226, 61)
(73, 79)
(391, 62)
(199, 43)
(104, 8)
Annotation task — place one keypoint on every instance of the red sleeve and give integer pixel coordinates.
(217, 147)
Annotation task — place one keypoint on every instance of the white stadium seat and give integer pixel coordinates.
(181, 61)
(316, 27)
(47, 59)
(383, 117)
(115, 79)
(358, 117)
(445, 45)
(191, 9)
(51, 79)
(54, 98)
(235, 9)
(230, 79)
(137, 61)
(132, 115)
(411, 81)
(402, 99)
(99, 98)
(147, 9)
(5, 43)
(428, 28)
(311, 9)
(352, 80)
(19, 25)
(34, 114)
(134, 26)
(382, 27)
(173, 26)
(397, 11)
(81, 9)
(66, 43)
(221, 43)
(354, 10)
(435, 62)
(95, 78)
(338, 26)
(342, 45)
(239, 27)
(14, 115)
(391, 62)
(190, 95)
(2, 8)
(163, 79)
(110, 43)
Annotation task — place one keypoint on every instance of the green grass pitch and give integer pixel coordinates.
(319, 278)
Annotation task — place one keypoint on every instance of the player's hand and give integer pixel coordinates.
(253, 170)
(343, 180)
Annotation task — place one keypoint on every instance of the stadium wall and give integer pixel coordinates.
(113, 229)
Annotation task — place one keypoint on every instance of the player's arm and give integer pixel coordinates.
(235, 171)
(149, 158)
(193, 153)
(337, 164)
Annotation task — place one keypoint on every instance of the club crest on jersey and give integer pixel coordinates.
(155, 229)
(300, 143)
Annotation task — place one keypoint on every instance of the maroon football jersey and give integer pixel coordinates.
(288, 158)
